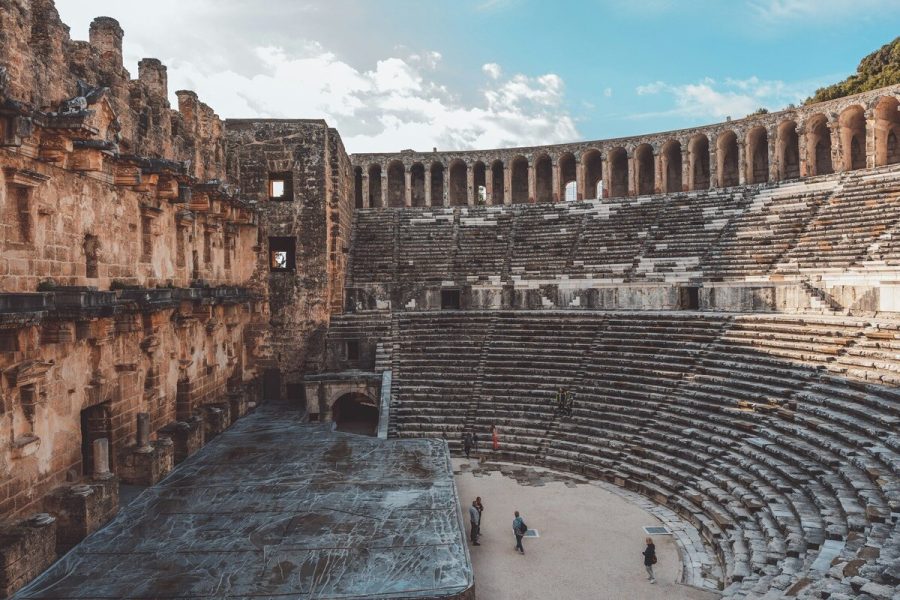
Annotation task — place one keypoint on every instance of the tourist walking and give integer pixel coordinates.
(650, 559)
(475, 441)
(480, 508)
(519, 529)
(475, 521)
(495, 438)
(467, 444)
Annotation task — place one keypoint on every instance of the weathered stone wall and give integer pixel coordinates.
(315, 213)
(839, 135)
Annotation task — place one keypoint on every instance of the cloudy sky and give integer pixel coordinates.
(395, 74)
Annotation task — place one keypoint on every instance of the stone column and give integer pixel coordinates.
(870, 138)
(407, 186)
(837, 154)
(803, 150)
(101, 458)
(489, 185)
(580, 192)
(385, 201)
(657, 172)
(470, 185)
(686, 171)
(428, 187)
(713, 167)
(507, 184)
(143, 432)
(631, 161)
(604, 170)
(365, 188)
(742, 163)
(558, 195)
(532, 183)
(775, 168)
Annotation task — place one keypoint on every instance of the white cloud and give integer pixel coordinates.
(736, 98)
(820, 10)
(607, 92)
(492, 69)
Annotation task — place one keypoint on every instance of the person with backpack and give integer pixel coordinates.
(650, 559)
(475, 520)
(519, 529)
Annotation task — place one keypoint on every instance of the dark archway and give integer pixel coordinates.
(566, 165)
(519, 180)
(543, 178)
(497, 183)
(644, 169)
(698, 149)
(375, 186)
(479, 189)
(437, 184)
(757, 146)
(458, 196)
(618, 172)
(592, 167)
(853, 137)
(818, 146)
(355, 413)
(396, 183)
(788, 152)
(727, 157)
(417, 183)
(671, 167)
(358, 187)
(887, 131)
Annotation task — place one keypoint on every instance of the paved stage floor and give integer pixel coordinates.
(589, 547)
(273, 508)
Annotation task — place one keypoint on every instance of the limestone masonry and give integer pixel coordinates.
(723, 302)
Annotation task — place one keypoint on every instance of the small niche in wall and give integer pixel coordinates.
(282, 254)
(352, 350)
(689, 298)
(450, 299)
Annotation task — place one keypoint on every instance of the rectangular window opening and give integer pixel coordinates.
(450, 300)
(281, 186)
(690, 298)
(352, 350)
(282, 253)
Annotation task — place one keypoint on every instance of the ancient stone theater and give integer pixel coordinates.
(236, 361)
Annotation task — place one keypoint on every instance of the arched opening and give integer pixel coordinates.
(671, 167)
(519, 183)
(358, 187)
(396, 183)
(853, 137)
(570, 192)
(646, 174)
(727, 155)
(437, 184)
(497, 196)
(375, 186)
(458, 196)
(543, 179)
(887, 131)
(618, 172)
(788, 151)
(757, 155)
(592, 167)
(818, 146)
(355, 413)
(566, 165)
(479, 189)
(417, 182)
(698, 148)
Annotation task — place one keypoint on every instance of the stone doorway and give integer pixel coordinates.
(96, 423)
(355, 413)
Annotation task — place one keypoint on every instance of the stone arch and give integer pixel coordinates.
(727, 159)
(355, 412)
(519, 180)
(375, 199)
(787, 151)
(698, 150)
(417, 184)
(479, 183)
(497, 183)
(396, 175)
(853, 137)
(458, 184)
(437, 184)
(543, 178)
(645, 170)
(565, 164)
(671, 167)
(618, 172)
(818, 146)
(887, 131)
(592, 167)
(358, 187)
(757, 155)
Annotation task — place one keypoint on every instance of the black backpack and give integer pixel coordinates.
(523, 528)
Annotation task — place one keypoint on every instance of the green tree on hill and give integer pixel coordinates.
(879, 69)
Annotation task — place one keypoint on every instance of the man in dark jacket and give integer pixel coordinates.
(650, 559)
(475, 521)
(519, 529)
(467, 443)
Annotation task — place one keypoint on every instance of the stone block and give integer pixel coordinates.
(216, 419)
(146, 466)
(82, 509)
(187, 436)
(26, 549)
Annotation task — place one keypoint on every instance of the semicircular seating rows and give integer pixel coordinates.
(775, 435)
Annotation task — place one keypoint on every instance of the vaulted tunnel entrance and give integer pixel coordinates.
(355, 413)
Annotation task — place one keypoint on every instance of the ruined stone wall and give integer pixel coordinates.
(313, 214)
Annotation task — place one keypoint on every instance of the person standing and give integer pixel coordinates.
(495, 438)
(480, 508)
(467, 444)
(475, 521)
(474, 441)
(519, 529)
(650, 559)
